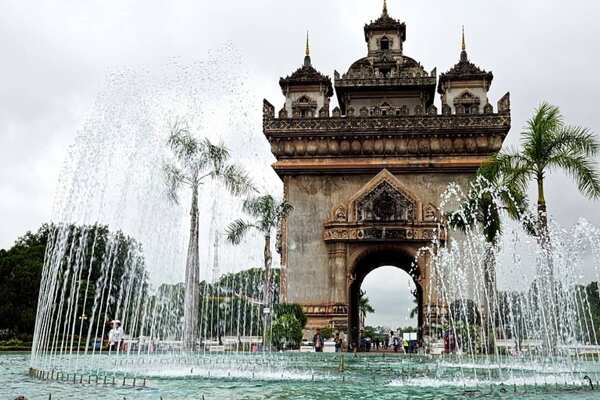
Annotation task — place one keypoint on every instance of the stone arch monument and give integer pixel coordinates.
(365, 181)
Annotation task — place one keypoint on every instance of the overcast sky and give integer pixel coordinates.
(56, 56)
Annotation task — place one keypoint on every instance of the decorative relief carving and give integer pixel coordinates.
(374, 145)
(381, 233)
(412, 124)
(430, 213)
(340, 214)
(385, 204)
(328, 309)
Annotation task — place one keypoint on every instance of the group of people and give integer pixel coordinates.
(319, 342)
(391, 342)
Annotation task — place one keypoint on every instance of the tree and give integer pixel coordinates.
(549, 144)
(21, 270)
(289, 322)
(196, 161)
(492, 190)
(286, 332)
(364, 307)
(267, 212)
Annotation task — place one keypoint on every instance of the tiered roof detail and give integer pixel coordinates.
(306, 75)
(386, 23)
(464, 70)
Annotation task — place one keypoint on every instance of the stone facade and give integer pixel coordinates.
(365, 181)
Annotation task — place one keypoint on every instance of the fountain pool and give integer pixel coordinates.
(312, 376)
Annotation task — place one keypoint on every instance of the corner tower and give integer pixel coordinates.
(307, 91)
(464, 87)
(366, 181)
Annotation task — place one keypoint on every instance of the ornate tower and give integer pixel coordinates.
(306, 91)
(464, 87)
(385, 82)
(366, 181)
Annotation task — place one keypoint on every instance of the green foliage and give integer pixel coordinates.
(294, 309)
(364, 307)
(588, 311)
(466, 311)
(547, 144)
(197, 160)
(287, 326)
(20, 274)
(286, 332)
(21, 269)
(266, 212)
(491, 188)
(327, 332)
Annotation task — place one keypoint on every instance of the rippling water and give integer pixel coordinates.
(365, 377)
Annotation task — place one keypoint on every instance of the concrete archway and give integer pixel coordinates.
(368, 262)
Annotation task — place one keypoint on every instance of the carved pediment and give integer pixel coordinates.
(382, 210)
(385, 203)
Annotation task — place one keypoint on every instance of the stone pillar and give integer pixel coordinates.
(337, 273)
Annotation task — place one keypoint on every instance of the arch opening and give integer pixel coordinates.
(382, 261)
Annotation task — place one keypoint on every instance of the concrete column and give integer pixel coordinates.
(337, 273)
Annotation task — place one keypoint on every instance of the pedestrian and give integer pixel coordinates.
(395, 342)
(338, 343)
(115, 336)
(405, 345)
(318, 341)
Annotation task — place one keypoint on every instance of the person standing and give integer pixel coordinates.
(318, 341)
(338, 343)
(115, 335)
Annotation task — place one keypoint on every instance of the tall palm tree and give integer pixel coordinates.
(364, 307)
(550, 144)
(492, 191)
(196, 161)
(267, 213)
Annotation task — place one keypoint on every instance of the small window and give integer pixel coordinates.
(384, 43)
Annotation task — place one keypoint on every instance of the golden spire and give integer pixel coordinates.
(464, 46)
(307, 51)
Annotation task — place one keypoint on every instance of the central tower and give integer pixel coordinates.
(365, 178)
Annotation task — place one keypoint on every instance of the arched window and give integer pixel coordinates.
(384, 43)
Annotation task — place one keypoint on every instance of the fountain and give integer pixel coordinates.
(117, 252)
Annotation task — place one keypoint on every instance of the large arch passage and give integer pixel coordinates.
(366, 264)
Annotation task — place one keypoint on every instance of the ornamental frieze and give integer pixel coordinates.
(382, 233)
(330, 309)
(384, 145)
(426, 123)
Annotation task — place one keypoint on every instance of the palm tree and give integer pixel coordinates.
(267, 213)
(492, 191)
(550, 144)
(195, 162)
(364, 307)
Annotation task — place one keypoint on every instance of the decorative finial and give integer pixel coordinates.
(385, 11)
(463, 54)
(307, 53)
